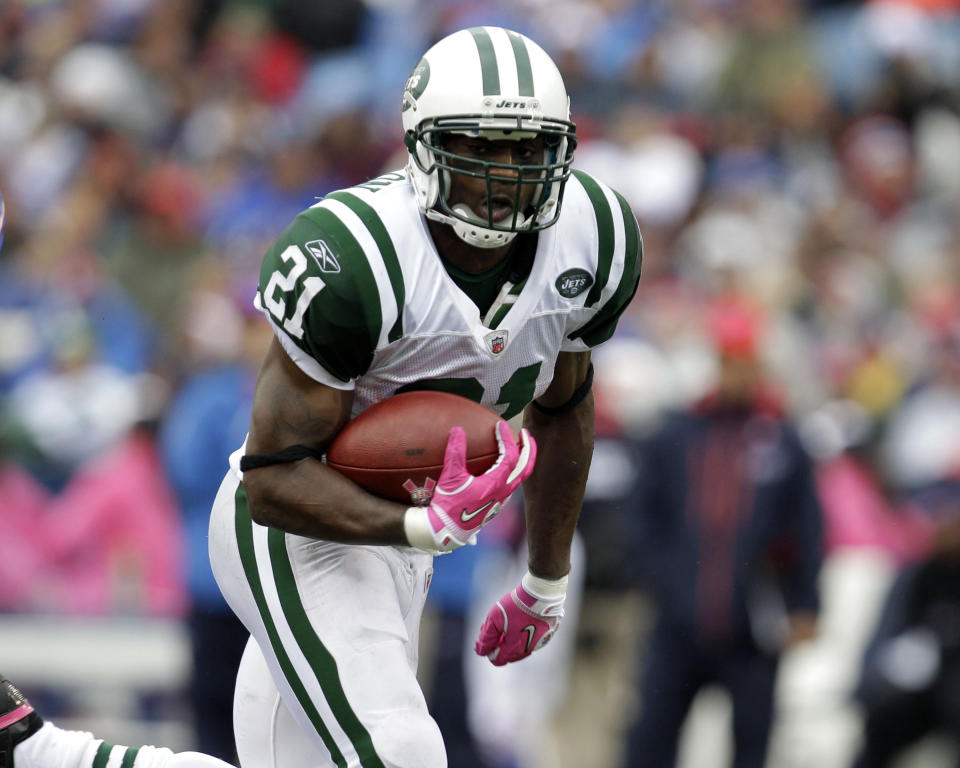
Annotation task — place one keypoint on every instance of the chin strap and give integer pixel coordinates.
(472, 234)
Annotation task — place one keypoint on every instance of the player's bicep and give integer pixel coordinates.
(319, 292)
(569, 373)
(290, 408)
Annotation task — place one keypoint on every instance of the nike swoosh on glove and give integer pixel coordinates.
(463, 503)
(522, 620)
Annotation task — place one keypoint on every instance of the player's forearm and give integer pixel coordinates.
(554, 492)
(310, 499)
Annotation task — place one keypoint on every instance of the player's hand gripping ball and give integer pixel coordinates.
(395, 448)
(452, 459)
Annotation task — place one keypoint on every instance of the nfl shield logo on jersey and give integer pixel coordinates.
(420, 496)
(497, 342)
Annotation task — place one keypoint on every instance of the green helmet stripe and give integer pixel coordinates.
(488, 61)
(376, 227)
(605, 237)
(524, 70)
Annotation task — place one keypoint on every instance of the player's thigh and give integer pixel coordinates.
(361, 603)
(331, 621)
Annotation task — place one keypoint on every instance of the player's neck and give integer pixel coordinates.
(467, 257)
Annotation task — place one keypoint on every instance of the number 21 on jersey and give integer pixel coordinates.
(286, 283)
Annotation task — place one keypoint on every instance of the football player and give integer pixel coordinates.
(487, 268)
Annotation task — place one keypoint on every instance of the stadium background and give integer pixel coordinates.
(798, 156)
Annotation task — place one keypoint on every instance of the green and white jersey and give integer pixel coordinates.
(359, 298)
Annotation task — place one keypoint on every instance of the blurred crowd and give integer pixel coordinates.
(799, 158)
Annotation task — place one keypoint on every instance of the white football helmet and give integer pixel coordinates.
(497, 84)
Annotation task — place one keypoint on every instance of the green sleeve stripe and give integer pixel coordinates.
(321, 661)
(602, 325)
(488, 61)
(248, 558)
(605, 238)
(129, 757)
(102, 757)
(375, 226)
(524, 70)
(363, 278)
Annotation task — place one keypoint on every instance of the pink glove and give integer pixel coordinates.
(522, 620)
(463, 503)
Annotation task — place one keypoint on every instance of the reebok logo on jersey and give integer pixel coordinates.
(573, 282)
(323, 256)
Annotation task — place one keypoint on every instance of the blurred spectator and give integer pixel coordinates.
(771, 63)
(108, 541)
(207, 418)
(57, 419)
(862, 509)
(151, 253)
(114, 538)
(730, 548)
(922, 442)
(23, 554)
(910, 679)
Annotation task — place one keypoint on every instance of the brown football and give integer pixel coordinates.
(394, 449)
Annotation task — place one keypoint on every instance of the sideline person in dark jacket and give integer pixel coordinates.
(731, 549)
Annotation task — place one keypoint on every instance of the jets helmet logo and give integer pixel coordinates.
(323, 256)
(416, 84)
(420, 495)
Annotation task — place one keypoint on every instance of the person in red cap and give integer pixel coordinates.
(730, 547)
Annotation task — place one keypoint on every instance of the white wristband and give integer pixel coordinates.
(416, 527)
(544, 589)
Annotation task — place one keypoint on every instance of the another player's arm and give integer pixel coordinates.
(554, 492)
(307, 497)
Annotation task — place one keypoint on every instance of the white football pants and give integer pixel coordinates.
(329, 676)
